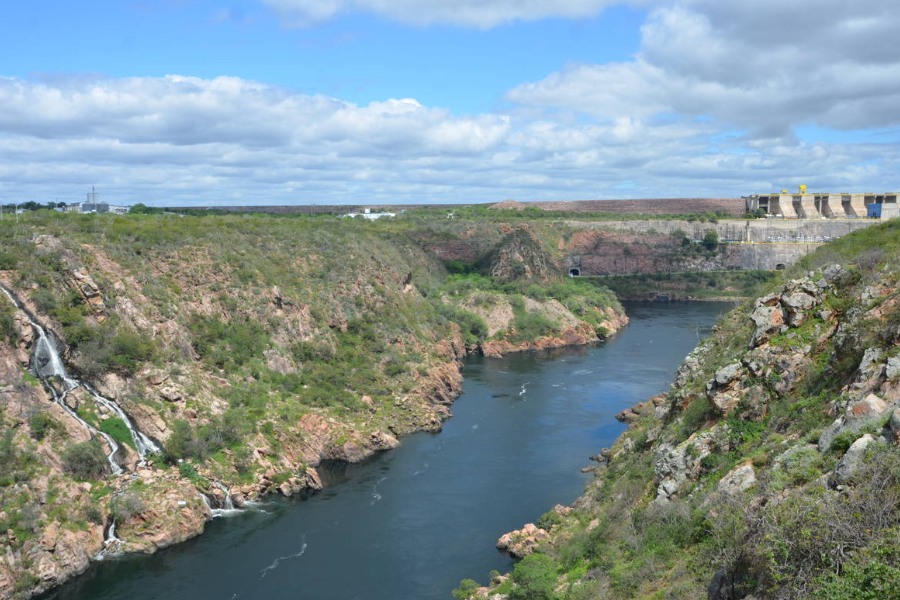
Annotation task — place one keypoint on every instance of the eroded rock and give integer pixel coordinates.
(522, 542)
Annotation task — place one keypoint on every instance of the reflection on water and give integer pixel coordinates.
(412, 522)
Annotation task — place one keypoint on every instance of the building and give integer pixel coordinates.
(806, 205)
(369, 215)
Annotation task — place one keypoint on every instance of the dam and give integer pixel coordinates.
(805, 205)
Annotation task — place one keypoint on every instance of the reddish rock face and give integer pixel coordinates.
(522, 542)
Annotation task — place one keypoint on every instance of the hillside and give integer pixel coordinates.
(771, 468)
(156, 370)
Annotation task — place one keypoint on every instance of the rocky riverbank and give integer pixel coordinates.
(249, 353)
(771, 469)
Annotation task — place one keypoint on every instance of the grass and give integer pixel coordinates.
(811, 541)
(118, 430)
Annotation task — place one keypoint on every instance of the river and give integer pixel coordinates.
(409, 524)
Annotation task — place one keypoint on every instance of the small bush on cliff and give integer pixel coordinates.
(7, 325)
(227, 345)
(870, 575)
(529, 325)
(86, 460)
(473, 327)
(15, 463)
(710, 240)
(183, 442)
(126, 505)
(535, 578)
(466, 590)
(41, 424)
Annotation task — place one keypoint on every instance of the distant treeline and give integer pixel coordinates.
(32, 205)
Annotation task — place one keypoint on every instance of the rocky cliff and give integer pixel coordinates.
(771, 468)
(245, 351)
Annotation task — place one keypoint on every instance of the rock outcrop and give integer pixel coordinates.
(247, 356)
(522, 542)
(772, 461)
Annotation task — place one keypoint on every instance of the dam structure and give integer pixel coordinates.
(807, 205)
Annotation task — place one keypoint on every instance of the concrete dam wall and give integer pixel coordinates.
(656, 246)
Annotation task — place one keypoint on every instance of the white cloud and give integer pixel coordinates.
(762, 65)
(482, 14)
(716, 103)
(182, 140)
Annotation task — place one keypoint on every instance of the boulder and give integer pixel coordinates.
(796, 305)
(727, 374)
(859, 415)
(768, 320)
(892, 369)
(726, 401)
(894, 425)
(738, 480)
(522, 542)
(674, 465)
(869, 406)
(851, 461)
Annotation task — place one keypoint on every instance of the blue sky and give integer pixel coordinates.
(373, 101)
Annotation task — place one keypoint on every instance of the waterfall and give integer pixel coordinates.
(47, 363)
(229, 503)
(227, 507)
(112, 545)
(143, 444)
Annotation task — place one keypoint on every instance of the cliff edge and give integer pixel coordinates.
(770, 469)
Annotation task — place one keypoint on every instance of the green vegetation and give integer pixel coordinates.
(792, 532)
(85, 460)
(735, 285)
(233, 330)
(16, 463)
(227, 345)
(41, 424)
(118, 430)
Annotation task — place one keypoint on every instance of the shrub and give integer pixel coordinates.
(797, 466)
(535, 578)
(106, 348)
(474, 329)
(695, 415)
(227, 345)
(126, 505)
(86, 460)
(466, 589)
(41, 424)
(531, 326)
(710, 240)
(7, 324)
(182, 443)
(872, 580)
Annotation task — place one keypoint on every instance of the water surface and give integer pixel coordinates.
(412, 522)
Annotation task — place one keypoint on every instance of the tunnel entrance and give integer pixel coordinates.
(575, 272)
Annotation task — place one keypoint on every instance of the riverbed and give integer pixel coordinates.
(412, 522)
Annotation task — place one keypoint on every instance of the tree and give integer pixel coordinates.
(86, 460)
(535, 578)
(710, 240)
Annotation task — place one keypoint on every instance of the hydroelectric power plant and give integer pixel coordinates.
(806, 205)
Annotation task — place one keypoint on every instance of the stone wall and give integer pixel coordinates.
(739, 230)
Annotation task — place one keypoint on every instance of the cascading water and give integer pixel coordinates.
(47, 363)
(112, 545)
(143, 444)
(227, 507)
(229, 502)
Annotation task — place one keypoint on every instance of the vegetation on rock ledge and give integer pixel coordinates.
(771, 469)
(250, 348)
